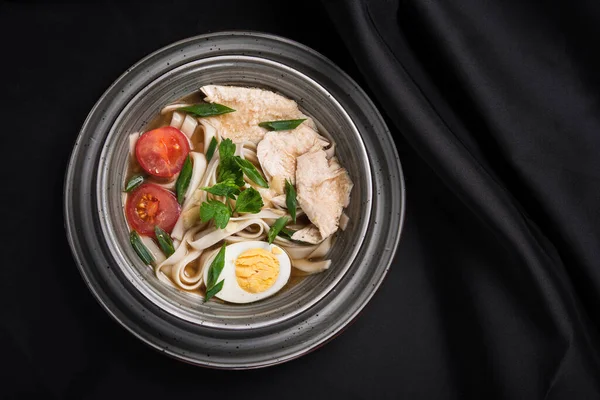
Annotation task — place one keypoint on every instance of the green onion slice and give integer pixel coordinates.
(279, 224)
(290, 199)
(215, 268)
(183, 180)
(164, 241)
(210, 152)
(141, 250)
(282, 125)
(251, 172)
(206, 109)
(134, 182)
(214, 290)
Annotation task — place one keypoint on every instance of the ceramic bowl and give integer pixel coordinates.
(214, 334)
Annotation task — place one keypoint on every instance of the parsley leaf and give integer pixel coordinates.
(230, 171)
(226, 188)
(226, 149)
(216, 210)
(229, 180)
(279, 224)
(290, 199)
(228, 168)
(249, 201)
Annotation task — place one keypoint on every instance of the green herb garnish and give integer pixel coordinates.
(216, 210)
(229, 180)
(282, 125)
(290, 199)
(206, 109)
(214, 290)
(228, 168)
(230, 171)
(141, 250)
(183, 180)
(251, 172)
(214, 271)
(279, 224)
(164, 240)
(216, 266)
(226, 149)
(227, 188)
(134, 182)
(210, 152)
(249, 201)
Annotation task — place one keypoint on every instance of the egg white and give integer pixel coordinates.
(232, 292)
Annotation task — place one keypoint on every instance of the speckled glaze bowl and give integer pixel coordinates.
(290, 323)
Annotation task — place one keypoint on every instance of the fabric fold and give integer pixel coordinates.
(471, 59)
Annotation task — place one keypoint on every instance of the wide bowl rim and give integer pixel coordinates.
(108, 304)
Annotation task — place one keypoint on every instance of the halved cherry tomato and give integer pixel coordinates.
(161, 152)
(150, 205)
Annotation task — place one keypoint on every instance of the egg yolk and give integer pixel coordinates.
(256, 270)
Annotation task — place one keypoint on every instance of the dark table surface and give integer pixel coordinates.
(423, 335)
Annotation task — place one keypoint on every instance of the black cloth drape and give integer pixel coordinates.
(501, 99)
(495, 110)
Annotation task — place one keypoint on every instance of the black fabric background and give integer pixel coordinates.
(494, 107)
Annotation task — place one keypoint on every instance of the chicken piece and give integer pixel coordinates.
(308, 234)
(252, 106)
(323, 190)
(277, 153)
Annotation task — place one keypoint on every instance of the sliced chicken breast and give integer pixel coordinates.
(323, 189)
(309, 234)
(277, 153)
(252, 106)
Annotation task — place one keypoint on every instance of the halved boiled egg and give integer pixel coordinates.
(252, 271)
